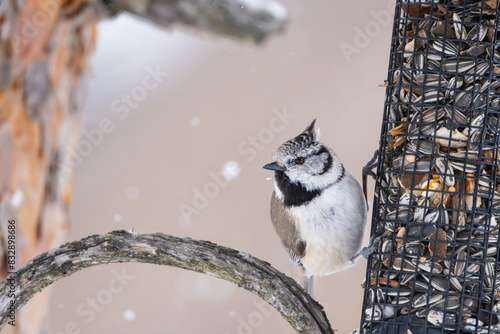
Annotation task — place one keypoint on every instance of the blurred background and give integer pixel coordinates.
(179, 126)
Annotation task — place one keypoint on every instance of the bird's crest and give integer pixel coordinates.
(309, 135)
(308, 138)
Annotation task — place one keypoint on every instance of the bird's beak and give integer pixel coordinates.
(274, 166)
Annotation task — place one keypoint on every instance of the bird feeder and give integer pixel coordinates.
(437, 190)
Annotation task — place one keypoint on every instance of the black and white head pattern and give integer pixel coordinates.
(310, 167)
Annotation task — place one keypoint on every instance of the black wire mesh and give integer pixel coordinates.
(437, 192)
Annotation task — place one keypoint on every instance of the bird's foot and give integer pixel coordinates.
(308, 283)
(368, 171)
(369, 250)
(370, 165)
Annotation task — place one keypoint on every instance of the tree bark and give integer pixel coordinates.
(44, 52)
(303, 313)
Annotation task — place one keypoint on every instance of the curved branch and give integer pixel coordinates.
(280, 291)
(242, 19)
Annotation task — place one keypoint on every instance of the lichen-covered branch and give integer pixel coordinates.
(242, 19)
(303, 313)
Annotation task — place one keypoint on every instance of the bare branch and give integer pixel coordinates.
(242, 19)
(303, 313)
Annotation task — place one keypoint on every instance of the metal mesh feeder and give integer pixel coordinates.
(437, 190)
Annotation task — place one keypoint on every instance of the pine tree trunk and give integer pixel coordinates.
(44, 54)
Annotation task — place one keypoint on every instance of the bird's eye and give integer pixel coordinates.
(299, 161)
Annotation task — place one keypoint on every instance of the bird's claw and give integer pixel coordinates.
(369, 250)
(368, 171)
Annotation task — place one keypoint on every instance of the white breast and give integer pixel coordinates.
(333, 226)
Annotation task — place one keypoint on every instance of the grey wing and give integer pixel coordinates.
(284, 225)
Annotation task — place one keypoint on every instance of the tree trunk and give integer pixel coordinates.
(44, 53)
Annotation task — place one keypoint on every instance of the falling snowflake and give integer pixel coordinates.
(231, 170)
(212, 289)
(132, 193)
(195, 121)
(17, 198)
(129, 315)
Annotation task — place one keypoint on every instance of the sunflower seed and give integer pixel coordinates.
(422, 300)
(453, 65)
(438, 282)
(460, 263)
(446, 46)
(429, 266)
(373, 313)
(411, 249)
(403, 264)
(477, 33)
